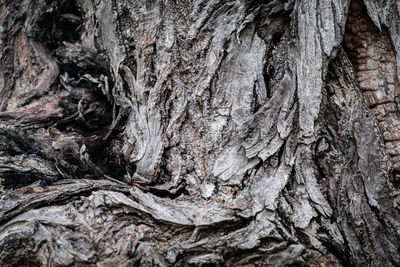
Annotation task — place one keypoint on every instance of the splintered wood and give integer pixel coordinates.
(372, 55)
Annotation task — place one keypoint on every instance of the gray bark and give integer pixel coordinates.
(227, 133)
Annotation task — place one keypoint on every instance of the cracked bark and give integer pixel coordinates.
(223, 133)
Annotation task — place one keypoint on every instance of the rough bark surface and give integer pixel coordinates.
(204, 132)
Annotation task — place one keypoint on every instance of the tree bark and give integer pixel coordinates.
(202, 132)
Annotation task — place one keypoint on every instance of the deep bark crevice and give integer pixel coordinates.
(62, 23)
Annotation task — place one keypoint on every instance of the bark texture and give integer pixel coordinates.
(203, 132)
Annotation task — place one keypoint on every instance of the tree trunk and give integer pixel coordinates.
(199, 132)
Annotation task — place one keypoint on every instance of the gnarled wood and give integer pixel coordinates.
(198, 133)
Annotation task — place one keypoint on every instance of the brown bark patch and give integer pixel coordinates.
(373, 58)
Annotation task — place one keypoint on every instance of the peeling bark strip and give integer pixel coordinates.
(317, 37)
(175, 133)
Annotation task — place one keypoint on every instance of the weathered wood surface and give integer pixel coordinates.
(160, 133)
